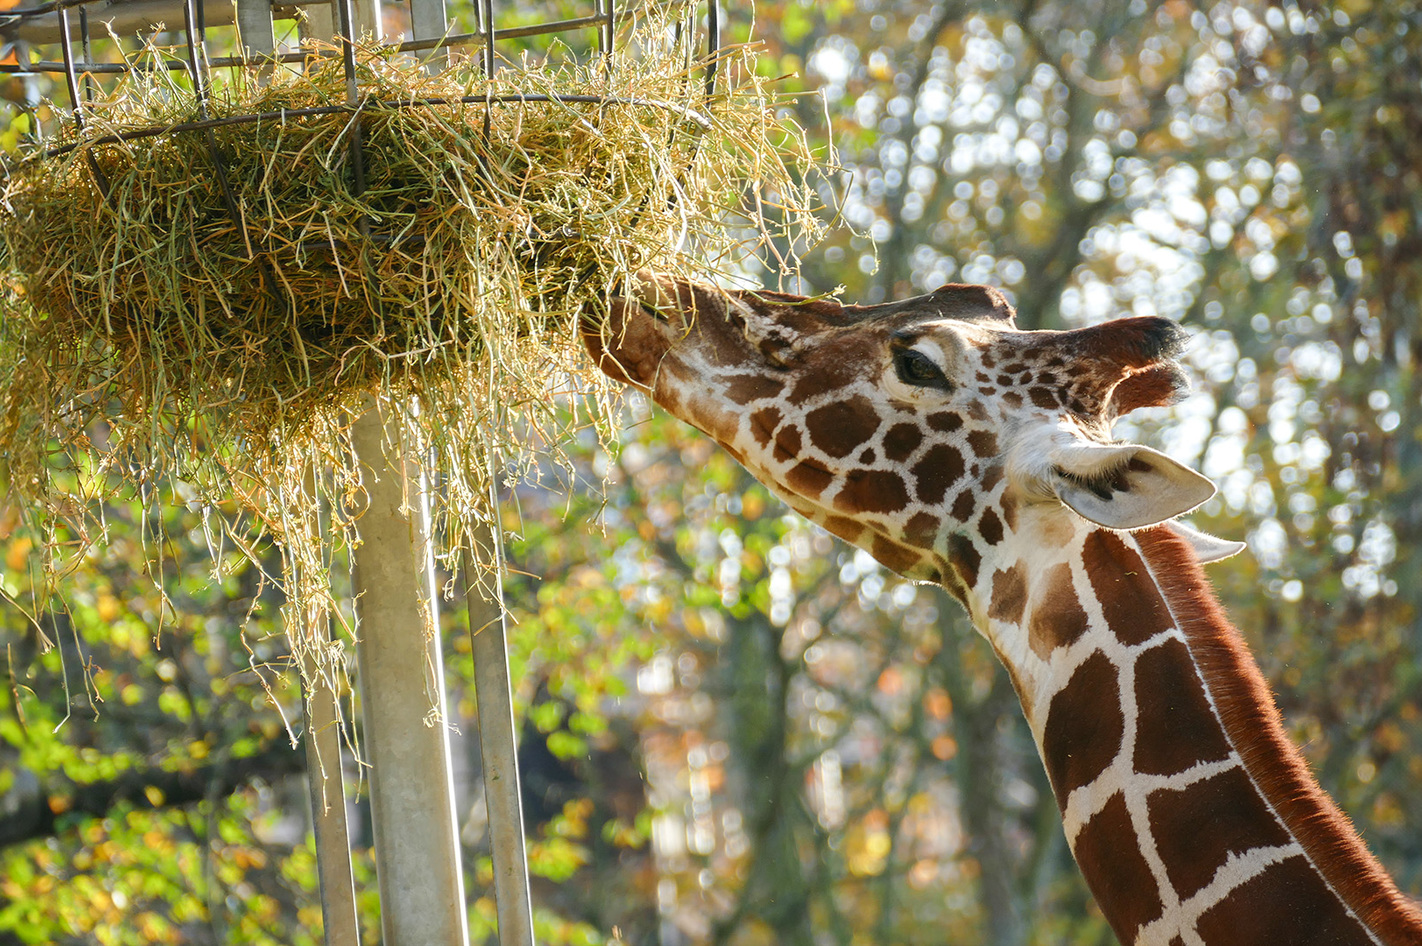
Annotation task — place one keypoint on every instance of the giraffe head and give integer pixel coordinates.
(919, 430)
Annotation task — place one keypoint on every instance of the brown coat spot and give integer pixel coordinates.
(964, 559)
(872, 491)
(1117, 872)
(1009, 594)
(1042, 397)
(983, 442)
(841, 427)
(746, 388)
(1197, 828)
(1175, 727)
(893, 556)
(763, 423)
(964, 505)
(824, 379)
(1057, 618)
(1129, 598)
(847, 529)
(990, 527)
(1009, 513)
(788, 445)
(944, 422)
(1287, 903)
(922, 530)
(806, 480)
(901, 441)
(1084, 726)
(939, 469)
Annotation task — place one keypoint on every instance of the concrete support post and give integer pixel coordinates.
(402, 695)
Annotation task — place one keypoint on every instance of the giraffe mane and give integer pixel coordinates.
(1253, 724)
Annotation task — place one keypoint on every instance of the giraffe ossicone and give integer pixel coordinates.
(957, 449)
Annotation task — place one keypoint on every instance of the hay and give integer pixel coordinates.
(149, 338)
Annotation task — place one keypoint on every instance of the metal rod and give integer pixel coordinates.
(497, 741)
(88, 51)
(713, 43)
(605, 34)
(193, 35)
(328, 800)
(66, 40)
(258, 36)
(174, 7)
(402, 695)
(345, 11)
(429, 20)
(491, 35)
(71, 81)
(284, 114)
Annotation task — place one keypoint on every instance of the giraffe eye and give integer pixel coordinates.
(916, 368)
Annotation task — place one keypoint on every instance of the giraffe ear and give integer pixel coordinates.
(1126, 486)
(1208, 548)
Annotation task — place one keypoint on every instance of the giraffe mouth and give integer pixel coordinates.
(630, 344)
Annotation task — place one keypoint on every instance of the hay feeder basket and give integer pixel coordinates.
(398, 650)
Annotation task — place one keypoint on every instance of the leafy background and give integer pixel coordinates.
(736, 730)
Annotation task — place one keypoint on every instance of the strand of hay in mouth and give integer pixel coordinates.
(149, 336)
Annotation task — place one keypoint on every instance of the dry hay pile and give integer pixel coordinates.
(149, 338)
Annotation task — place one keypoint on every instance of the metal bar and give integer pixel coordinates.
(497, 741)
(192, 19)
(486, 20)
(319, 24)
(328, 801)
(71, 81)
(402, 696)
(346, 19)
(314, 11)
(605, 35)
(66, 40)
(125, 17)
(429, 20)
(257, 34)
(490, 37)
(88, 50)
(686, 114)
(193, 35)
(713, 44)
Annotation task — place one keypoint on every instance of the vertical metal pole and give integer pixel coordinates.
(428, 20)
(255, 29)
(497, 744)
(327, 791)
(402, 696)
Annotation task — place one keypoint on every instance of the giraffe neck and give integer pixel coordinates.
(1192, 816)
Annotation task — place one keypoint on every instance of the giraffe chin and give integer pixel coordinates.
(630, 345)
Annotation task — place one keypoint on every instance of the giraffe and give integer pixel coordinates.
(958, 449)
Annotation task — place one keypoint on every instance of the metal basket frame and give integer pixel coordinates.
(51, 23)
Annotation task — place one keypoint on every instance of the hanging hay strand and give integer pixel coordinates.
(209, 305)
